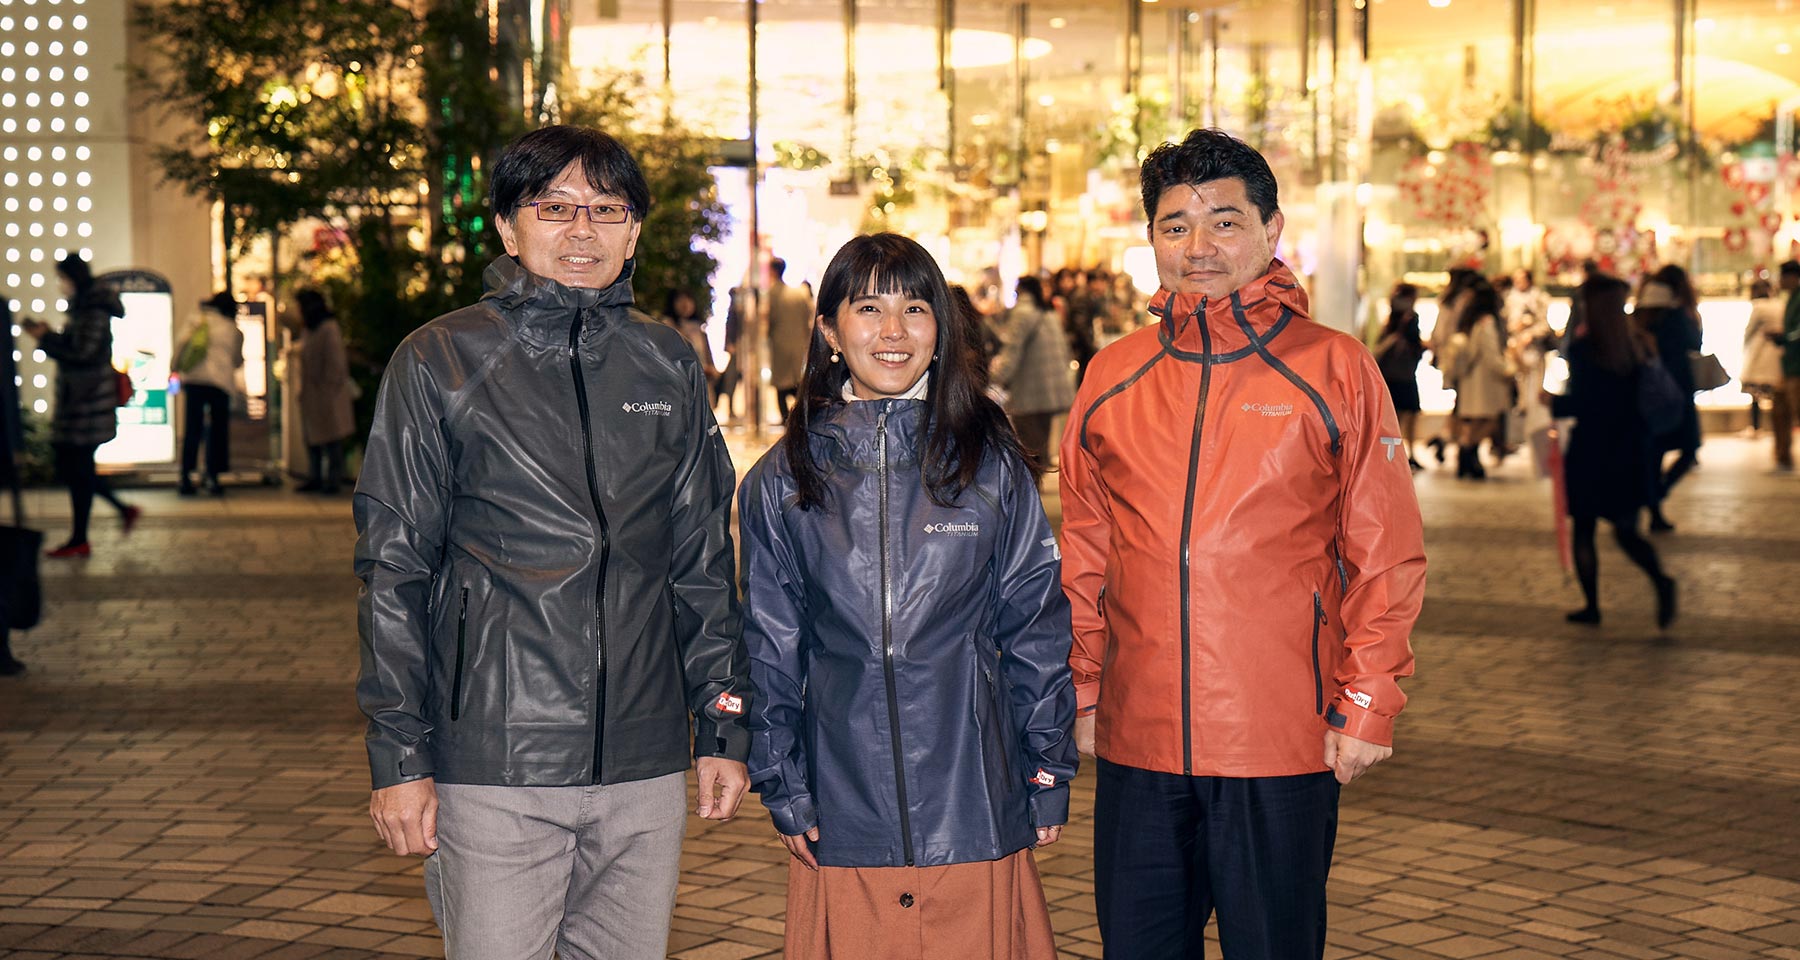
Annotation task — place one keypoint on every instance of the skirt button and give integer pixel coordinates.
(906, 899)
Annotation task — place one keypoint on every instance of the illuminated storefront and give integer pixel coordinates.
(1409, 136)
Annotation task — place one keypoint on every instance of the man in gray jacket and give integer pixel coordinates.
(548, 583)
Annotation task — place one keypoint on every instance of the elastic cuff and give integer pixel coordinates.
(794, 817)
(1050, 807)
(1353, 721)
(1087, 697)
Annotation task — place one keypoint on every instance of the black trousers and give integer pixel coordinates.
(1170, 849)
(327, 464)
(209, 416)
(75, 465)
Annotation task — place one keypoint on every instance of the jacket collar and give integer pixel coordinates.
(543, 309)
(848, 430)
(1260, 305)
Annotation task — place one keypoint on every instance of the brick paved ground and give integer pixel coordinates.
(181, 774)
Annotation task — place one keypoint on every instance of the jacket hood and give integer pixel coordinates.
(1273, 298)
(848, 430)
(99, 297)
(542, 307)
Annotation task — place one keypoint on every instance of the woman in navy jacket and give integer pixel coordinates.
(908, 636)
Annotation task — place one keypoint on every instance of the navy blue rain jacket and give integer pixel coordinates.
(914, 699)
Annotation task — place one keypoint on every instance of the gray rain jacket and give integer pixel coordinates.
(547, 569)
(911, 661)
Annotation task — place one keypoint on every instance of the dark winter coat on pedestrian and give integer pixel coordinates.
(914, 699)
(87, 387)
(1610, 467)
(548, 577)
(327, 411)
(1676, 332)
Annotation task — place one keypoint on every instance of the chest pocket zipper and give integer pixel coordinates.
(462, 631)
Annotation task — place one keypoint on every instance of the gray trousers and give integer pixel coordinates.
(588, 872)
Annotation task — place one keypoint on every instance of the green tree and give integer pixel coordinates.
(297, 109)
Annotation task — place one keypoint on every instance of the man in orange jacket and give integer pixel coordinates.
(1245, 558)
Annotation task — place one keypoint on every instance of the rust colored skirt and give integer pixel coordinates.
(987, 910)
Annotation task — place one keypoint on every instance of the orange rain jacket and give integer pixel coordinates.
(1241, 541)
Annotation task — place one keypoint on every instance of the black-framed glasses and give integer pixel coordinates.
(558, 211)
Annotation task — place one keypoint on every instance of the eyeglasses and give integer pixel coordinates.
(557, 211)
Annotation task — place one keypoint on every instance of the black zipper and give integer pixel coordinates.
(1187, 530)
(999, 710)
(593, 482)
(887, 638)
(462, 627)
(1318, 672)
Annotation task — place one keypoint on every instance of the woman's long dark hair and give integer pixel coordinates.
(1405, 323)
(962, 425)
(1484, 301)
(1617, 345)
(1033, 288)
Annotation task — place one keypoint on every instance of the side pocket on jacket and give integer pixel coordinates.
(462, 631)
(997, 732)
(1318, 670)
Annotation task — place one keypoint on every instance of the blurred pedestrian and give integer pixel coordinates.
(1610, 467)
(1481, 372)
(12, 441)
(855, 640)
(87, 396)
(1244, 559)
(790, 327)
(681, 311)
(1668, 311)
(1089, 310)
(327, 401)
(1033, 368)
(1443, 331)
(549, 613)
(210, 363)
(1784, 411)
(736, 304)
(1398, 353)
(1761, 375)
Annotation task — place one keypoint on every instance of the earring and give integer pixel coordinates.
(834, 356)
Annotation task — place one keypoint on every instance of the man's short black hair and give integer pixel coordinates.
(531, 163)
(1203, 156)
(778, 267)
(1790, 268)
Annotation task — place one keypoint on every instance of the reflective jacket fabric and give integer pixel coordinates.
(954, 746)
(1242, 546)
(548, 582)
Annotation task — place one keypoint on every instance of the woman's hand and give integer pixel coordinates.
(797, 846)
(1049, 835)
(34, 328)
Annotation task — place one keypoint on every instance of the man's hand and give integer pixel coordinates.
(405, 815)
(1049, 835)
(1084, 734)
(797, 846)
(1349, 757)
(723, 784)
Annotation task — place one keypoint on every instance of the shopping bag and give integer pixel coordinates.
(1709, 373)
(21, 592)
